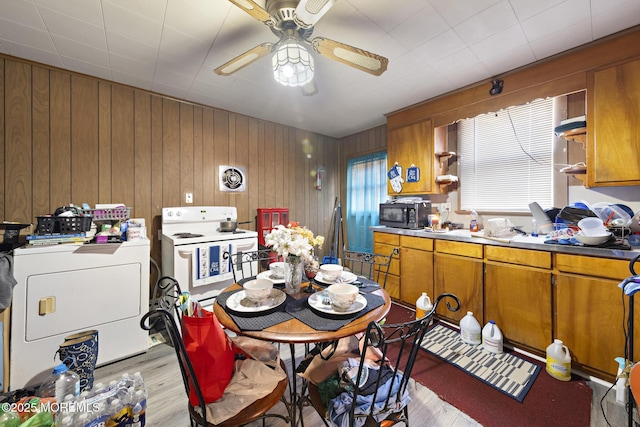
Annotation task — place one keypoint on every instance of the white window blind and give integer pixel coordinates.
(506, 158)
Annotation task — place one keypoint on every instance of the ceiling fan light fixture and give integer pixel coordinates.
(292, 64)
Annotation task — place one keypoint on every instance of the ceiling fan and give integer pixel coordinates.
(292, 21)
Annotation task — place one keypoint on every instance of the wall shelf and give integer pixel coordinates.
(578, 135)
(443, 157)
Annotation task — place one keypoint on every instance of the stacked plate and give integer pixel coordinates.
(345, 277)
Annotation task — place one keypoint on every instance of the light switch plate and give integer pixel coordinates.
(189, 198)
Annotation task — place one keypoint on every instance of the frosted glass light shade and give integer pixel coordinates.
(292, 64)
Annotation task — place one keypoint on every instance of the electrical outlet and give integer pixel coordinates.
(446, 207)
(189, 198)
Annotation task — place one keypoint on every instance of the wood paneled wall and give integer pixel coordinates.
(68, 138)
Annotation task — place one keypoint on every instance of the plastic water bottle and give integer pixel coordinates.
(60, 383)
(138, 411)
(423, 306)
(470, 329)
(492, 338)
(559, 361)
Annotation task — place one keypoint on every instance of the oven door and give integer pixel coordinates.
(190, 263)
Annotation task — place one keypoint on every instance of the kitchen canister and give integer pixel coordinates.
(423, 306)
(559, 361)
(492, 338)
(470, 329)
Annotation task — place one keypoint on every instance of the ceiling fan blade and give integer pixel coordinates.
(247, 58)
(352, 56)
(308, 12)
(309, 89)
(255, 10)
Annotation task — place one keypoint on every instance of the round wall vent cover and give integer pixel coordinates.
(232, 178)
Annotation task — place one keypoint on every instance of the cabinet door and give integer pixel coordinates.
(393, 277)
(613, 128)
(590, 314)
(462, 277)
(519, 300)
(413, 145)
(416, 271)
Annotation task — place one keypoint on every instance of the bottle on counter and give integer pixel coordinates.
(473, 224)
(470, 329)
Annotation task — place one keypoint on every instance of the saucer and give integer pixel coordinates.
(268, 275)
(345, 277)
(315, 302)
(238, 302)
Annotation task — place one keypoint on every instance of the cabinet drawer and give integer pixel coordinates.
(591, 266)
(528, 257)
(389, 239)
(421, 243)
(472, 250)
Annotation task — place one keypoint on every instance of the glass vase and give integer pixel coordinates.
(293, 272)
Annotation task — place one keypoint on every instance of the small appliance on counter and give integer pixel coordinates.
(405, 212)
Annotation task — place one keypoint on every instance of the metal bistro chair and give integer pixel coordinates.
(250, 263)
(257, 410)
(395, 347)
(370, 265)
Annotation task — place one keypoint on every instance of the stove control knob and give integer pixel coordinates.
(178, 213)
(169, 213)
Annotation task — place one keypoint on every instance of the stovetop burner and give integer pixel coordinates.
(187, 235)
(231, 232)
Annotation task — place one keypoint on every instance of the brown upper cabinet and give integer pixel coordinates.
(613, 128)
(412, 145)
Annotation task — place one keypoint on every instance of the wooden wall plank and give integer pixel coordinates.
(186, 151)
(157, 180)
(104, 142)
(84, 140)
(3, 213)
(221, 152)
(275, 170)
(240, 199)
(40, 107)
(142, 156)
(122, 146)
(18, 149)
(208, 167)
(60, 149)
(253, 171)
(198, 160)
(171, 153)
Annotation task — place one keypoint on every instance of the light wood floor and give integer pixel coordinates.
(167, 402)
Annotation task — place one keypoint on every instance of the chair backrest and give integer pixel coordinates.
(250, 263)
(370, 265)
(149, 322)
(166, 295)
(399, 345)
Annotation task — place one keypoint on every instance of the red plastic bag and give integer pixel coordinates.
(211, 354)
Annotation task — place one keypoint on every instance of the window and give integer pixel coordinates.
(366, 189)
(506, 158)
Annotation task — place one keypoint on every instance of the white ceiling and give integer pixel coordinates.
(433, 46)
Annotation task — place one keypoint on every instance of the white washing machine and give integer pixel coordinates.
(68, 288)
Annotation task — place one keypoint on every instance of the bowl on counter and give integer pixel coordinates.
(592, 240)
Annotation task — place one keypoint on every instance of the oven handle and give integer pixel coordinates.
(185, 252)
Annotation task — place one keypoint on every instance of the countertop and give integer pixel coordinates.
(518, 241)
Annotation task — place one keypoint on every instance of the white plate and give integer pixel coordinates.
(239, 303)
(345, 277)
(315, 302)
(267, 275)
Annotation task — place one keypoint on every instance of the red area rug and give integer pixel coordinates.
(549, 402)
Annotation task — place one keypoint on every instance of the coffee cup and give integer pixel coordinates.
(277, 269)
(342, 296)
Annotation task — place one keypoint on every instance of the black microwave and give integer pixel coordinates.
(405, 215)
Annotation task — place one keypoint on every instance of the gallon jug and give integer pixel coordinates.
(60, 383)
(470, 329)
(559, 361)
(492, 338)
(423, 306)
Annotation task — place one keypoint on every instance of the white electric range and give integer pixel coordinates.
(197, 254)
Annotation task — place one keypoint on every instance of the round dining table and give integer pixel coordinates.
(293, 331)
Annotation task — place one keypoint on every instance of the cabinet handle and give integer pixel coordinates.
(47, 305)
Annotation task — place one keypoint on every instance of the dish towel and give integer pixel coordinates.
(7, 281)
(210, 264)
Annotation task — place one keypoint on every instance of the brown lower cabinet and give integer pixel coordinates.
(535, 296)
(384, 244)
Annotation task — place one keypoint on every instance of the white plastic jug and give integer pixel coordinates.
(470, 329)
(492, 338)
(423, 306)
(559, 361)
